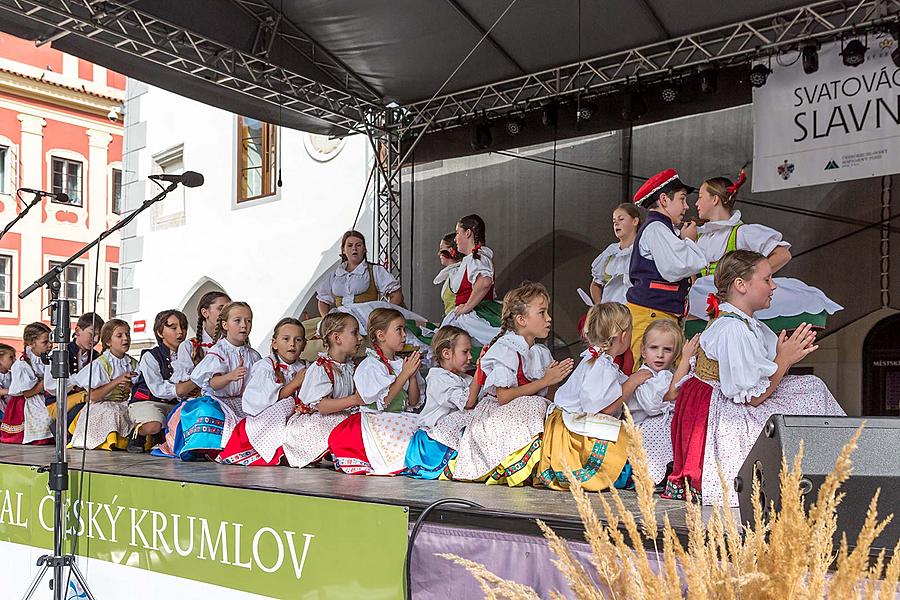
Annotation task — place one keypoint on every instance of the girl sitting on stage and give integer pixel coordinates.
(104, 423)
(739, 381)
(583, 432)
(374, 441)
(450, 258)
(793, 302)
(81, 352)
(327, 395)
(653, 402)
(447, 406)
(192, 351)
(269, 399)
(502, 444)
(473, 283)
(25, 420)
(155, 393)
(7, 358)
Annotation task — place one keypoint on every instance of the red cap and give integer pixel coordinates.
(661, 182)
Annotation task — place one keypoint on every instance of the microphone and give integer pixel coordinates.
(187, 179)
(60, 197)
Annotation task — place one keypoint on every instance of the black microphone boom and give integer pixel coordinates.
(187, 179)
(59, 197)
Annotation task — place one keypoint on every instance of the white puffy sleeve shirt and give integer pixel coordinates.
(95, 375)
(649, 398)
(183, 363)
(262, 387)
(25, 376)
(446, 392)
(317, 385)
(223, 358)
(675, 258)
(592, 386)
(745, 351)
(164, 389)
(758, 238)
(501, 363)
(373, 381)
(472, 267)
(348, 285)
(610, 270)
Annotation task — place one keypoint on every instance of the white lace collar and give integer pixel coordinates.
(445, 273)
(713, 226)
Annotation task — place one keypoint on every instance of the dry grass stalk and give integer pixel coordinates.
(791, 556)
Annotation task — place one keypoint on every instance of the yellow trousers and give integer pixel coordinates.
(641, 317)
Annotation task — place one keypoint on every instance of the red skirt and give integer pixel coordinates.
(346, 445)
(689, 439)
(12, 430)
(239, 450)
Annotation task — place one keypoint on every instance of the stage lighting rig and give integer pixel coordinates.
(515, 125)
(759, 74)
(809, 54)
(854, 53)
(709, 79)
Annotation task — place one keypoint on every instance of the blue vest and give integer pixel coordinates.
(648, 288)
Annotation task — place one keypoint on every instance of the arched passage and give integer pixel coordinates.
(881, 368)
(190, 301)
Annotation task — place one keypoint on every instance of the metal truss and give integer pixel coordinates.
(738, 42)
(388, 158)
(348, 104)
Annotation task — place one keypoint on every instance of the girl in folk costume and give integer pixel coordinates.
(207, 422)
(327, 395)
(653, 403)
(583, 431)
(269, 399)
(473, 283)
(663, 260)
(793, 302)
(104, 423)
(7, 358)
(739, 381)
(81, 352)
(448, 406)
(374, 441)
(25, 420)
(450, 258)
(192, 351)
(502, 444)
(155, 392)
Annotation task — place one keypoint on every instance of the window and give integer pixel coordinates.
(113, 292)
(4, 152)
(117, 191)
(72, 286)
(6, 262)
(257, 145)
(67, 179)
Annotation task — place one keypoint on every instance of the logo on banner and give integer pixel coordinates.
(831, 165)
(785, 169)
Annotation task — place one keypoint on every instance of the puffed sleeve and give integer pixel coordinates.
(598, 267)
(262, 389)
(384, 281)
(759, 238)
(650, 395)
(163, 389)
(744, 367)
(483, 265)
(316, 385)
(539, 358)
(23, 378)
(601, 387)
(50, 383)
(675, 258)
(449, 389)
(323, 291)
(183, 363)
(500, 365)
(373, 382)
(93, 376)
(212, 364)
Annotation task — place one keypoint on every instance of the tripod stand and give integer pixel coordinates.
(59, 367)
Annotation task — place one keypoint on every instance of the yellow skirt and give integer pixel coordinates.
(596, 463)
(72, 400)
(515, 470)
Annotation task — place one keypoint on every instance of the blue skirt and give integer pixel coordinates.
(198, 429)
(426, 458)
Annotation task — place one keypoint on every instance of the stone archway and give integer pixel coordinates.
(190, 301)
(881, 368)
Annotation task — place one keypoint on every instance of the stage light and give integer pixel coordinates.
(709, 79)
(550, 114)
(481, 136)
(854, 53)
(759, 74)
(669, 92)
(634, 106)
(809, 52)
(515, 125)
(585, 111)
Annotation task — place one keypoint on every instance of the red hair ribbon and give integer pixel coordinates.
(595, 354)
(328, 365)
(734, 187)
(384, 359)
(475, 250)
(195, 342)
(712, 305)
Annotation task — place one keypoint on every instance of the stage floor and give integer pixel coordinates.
(504, 508)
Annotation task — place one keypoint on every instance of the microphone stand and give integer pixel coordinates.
(59, 368)
(29, 206)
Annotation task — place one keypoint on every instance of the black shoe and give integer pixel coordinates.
(136, 444)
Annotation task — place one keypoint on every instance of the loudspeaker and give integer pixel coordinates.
(875, 465)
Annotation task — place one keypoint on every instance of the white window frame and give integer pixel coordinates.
(85, 174)
(113, 290)
(78, 307)
(4, 253)
(116, 166)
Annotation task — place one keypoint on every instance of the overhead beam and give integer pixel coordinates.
(484, 33)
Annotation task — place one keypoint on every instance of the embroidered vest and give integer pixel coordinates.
(707, 368)
(465, 290)
(369, 295)
(117, 394)
(648, 288)
(140, 391)
(730, 246)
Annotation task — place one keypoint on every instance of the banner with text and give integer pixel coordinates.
(270, 543)
(837, 124)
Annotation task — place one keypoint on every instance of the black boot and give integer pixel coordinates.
(136, 444)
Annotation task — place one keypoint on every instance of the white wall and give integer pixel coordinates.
(268, 252)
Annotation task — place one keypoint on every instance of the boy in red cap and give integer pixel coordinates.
(664, 259)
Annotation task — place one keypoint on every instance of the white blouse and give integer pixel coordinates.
(95, 375)
(648, 399)
(446, 273)
(745, 351)
(164, 389)
(758, 238)
(610, 270)
(262, 388)
(348, 285)
(373, 381)
(317, 385)
(675, 258)
(223, 358)
(183, 363)
(472, 267)
(446, 392)
(501, 363)
(592, 386)
(25, 376)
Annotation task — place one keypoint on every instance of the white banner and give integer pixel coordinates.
(837, 124)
